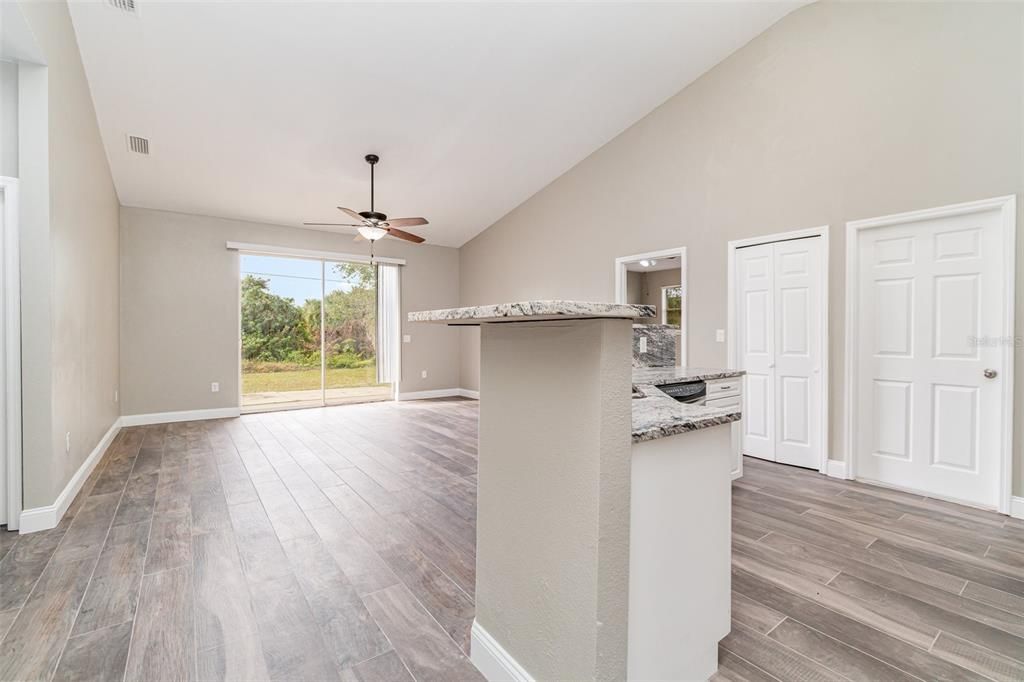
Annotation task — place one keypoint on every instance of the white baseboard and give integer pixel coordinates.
(836, 469)
(1017, 507)
(183, 416)
(491, 659)
(44, 518)
(438, 393)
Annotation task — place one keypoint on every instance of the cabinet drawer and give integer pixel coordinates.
(719, 388)
(727, 402)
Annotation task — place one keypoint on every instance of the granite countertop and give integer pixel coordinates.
(525, 311)
(656, 415)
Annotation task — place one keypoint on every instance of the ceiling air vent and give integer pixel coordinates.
(139, 145)
(129, 6)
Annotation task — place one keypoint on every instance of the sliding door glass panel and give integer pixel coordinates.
(350, 334)
(280, 319)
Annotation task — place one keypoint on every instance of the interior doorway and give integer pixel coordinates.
(657, 278)
(309, 333)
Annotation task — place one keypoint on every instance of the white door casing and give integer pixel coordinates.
(780, 345)
(931, 314)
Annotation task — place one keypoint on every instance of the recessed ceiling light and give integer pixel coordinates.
(647, 263)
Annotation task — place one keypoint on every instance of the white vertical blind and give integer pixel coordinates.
(389, 322)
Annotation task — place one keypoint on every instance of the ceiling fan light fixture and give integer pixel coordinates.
(371, 232)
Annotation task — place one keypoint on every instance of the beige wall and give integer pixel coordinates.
(8, 119)
(179, 311)
(552, 572)
(69, 265)
(840, 111)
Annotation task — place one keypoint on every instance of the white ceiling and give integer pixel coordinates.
(264, 110)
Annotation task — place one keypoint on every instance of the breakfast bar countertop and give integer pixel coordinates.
(526, 311)
(656, 415)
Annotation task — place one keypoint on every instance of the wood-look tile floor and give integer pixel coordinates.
(339, 543)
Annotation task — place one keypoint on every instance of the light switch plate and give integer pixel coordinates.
(720, 335)
(406, 338)
(423, 374)
(215, 387)
(643, 344)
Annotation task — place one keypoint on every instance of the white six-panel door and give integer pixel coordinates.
(928, 413)
(780, 347)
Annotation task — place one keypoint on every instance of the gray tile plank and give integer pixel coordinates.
(914, 613)
(84, 538)
(423, 646)
(224, 616)
(163, 645)
(780, 661)
(916, 633)
(292, 644)
(892, 650)
(258, 546)
(732, 668)
(754, 615)
(443, 599)
(36, 638)
(138, 500)
(977, 658)
(6, 619)
(350, 633)
(285, 515)
(98, 656)
(23, 565)
(170, 541)
(114, 588)
(834, 655)
(869, 564)
(384, 668)
(363, 567)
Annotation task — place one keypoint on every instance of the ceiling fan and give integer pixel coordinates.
(373, 225)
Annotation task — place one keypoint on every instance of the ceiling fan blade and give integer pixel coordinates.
(407, 236)
(407, 222)
(334, 224)
(351, 214)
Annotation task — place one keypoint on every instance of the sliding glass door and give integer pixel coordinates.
(308, 333)
(350, 334)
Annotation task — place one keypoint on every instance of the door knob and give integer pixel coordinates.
(990, 373)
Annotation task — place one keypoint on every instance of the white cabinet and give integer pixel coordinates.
(728, 393)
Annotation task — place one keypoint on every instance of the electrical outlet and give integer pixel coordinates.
(720, 335)
(423, 374)
(406, 338)
(67, 442)
(215, 387)
(643, 344)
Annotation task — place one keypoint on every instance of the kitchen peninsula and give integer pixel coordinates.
(603, 522)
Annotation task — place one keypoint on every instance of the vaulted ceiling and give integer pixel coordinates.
(264, 110)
